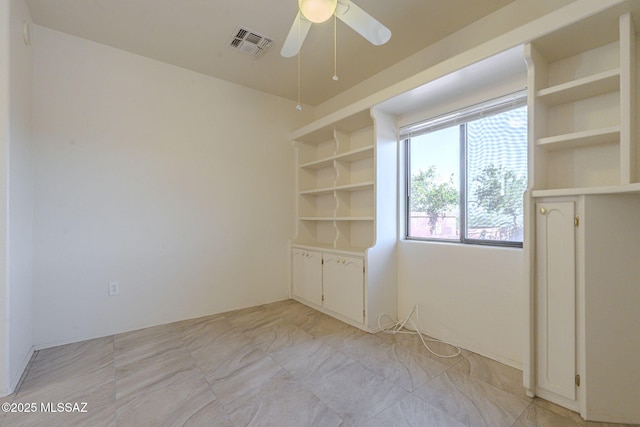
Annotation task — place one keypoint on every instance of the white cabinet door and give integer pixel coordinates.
(331, 281)
(307, 275)
(353, 289)
(556, 298)
(343, 283)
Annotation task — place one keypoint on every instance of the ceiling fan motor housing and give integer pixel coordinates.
(317, 10)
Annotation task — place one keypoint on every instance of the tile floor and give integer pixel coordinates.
(281, 364)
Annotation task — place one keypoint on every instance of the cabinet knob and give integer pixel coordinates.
(543, 211)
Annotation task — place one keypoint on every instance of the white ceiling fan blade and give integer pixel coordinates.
(363, 23)
(296, 36)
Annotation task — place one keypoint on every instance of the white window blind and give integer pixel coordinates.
(474, 112)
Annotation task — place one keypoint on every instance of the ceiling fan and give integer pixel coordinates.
(316, 11)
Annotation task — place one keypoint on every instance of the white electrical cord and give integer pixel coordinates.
(398, 328)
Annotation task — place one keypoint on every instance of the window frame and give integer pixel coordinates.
(517, 100)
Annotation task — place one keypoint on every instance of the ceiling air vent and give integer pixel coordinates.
(248, 41)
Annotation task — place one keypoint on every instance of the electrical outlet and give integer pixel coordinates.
(114, 288)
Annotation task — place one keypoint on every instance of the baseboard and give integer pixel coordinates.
(16, 381)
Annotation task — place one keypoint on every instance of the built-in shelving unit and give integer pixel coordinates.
(581, 212)
(336, 189)
(342, 171)
(581, 102)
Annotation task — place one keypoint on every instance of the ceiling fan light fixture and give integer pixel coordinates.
(317, 10)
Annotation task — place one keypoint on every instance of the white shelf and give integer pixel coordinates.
(354, 218)
(351, 156)
(312, 246)
(336, 218)
(317, 191)
(598, 84)
(580, 139)
(317, 218)
(319, 164)
(348, 187)
(614, 189)
(355, 155)
(355, 187)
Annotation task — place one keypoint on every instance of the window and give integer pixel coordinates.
(466, 174)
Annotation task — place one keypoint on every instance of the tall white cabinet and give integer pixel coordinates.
(346, 206)
(582, 238)
(587, 292)
(556, 298)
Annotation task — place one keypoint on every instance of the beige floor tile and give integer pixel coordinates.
(574, 416)
(186, 324)
(299, 314)
(279, 364)
(292, 405)
(277, 336)
(204, 330)
(71, 360)
(252, 318)
(537, 416)
(8, 399)
(279, 307)
(324, 327)
(59, 354)
(241, 386)
(413, 343)
(222, 357)
(303, 361)
(412, 412)
(495, 373)
(404, 367)
(172, 405)
(211, 415)
(96, 389)
(471, 401)
(345, 338)
(146, 344)
(158, 371)
(354, 392)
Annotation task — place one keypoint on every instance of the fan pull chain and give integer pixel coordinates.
(335, 47)
(299, 105)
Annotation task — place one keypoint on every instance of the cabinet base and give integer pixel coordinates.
(341, 318)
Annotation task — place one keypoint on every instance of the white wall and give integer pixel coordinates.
(20, 197)
(471, 296)
(16, 195)
(4, 147)
(173, 183)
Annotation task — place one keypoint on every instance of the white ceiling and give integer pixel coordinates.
(194, 34)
